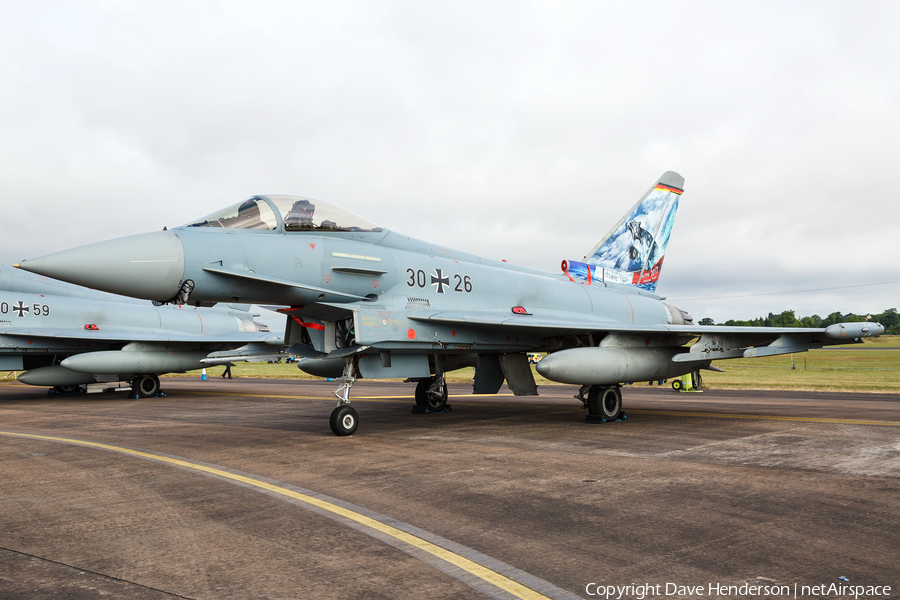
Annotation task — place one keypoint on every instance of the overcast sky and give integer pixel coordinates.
(514, 130)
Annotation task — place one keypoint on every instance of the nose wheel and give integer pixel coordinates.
(344, 420)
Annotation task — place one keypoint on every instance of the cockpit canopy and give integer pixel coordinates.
(296, 213)
(254, 213)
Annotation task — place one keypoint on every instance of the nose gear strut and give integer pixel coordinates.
(344, 419)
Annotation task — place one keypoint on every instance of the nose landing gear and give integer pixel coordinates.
(344, 419)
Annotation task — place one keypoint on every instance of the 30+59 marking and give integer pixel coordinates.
(20, 308)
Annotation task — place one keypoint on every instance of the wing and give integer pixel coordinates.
(715, 342)
(562, 322)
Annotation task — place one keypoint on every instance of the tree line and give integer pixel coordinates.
(889, 318)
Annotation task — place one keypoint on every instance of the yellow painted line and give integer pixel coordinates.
(354, 398)
(663, 413)
(288, 397)
(504, 583)
(450, 396)
(666, 413)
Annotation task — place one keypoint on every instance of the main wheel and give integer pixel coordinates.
(421, 391)
(696, 380)
(593, 400)
(65, 389)
(435, 401)
(145, 386)
(605, 402)
(344, 420)
(611, 403)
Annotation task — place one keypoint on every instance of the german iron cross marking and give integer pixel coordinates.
(21, 309)
(439, 281)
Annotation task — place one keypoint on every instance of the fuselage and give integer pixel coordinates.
(44, 322)
(396, 274)
(316, 258)
(391, 264)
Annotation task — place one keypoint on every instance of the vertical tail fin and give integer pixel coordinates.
(633, 251)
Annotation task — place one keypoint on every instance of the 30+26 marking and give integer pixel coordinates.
(418, 278)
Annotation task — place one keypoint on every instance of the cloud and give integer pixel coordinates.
(498, 128)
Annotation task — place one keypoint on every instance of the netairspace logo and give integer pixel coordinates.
(649, 590)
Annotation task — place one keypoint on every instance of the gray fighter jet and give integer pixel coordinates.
(69, 337)
(363, 301)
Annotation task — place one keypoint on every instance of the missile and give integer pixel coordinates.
(854, 330)
(256, 352)
(125, 362)
(147, 265)
(53, 376)
(608, 366)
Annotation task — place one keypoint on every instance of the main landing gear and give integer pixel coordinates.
(431, 394)
(688, 383)
(145, 386)
(344, 419)
(603, 403)
(66, 389)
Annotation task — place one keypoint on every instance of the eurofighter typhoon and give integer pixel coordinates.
(68, 337)
(366, 302)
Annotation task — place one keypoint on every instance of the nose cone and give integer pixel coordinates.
(149, 265)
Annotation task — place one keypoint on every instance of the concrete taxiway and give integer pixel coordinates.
(238, 489)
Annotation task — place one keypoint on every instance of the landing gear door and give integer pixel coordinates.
(326, 327)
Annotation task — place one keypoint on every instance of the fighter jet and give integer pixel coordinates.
(364, 301)
(69, 337)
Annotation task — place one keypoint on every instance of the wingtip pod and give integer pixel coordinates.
(854, 330)
(633, 251)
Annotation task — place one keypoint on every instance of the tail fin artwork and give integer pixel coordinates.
(633, 251)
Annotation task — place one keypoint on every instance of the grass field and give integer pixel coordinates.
(869, 367)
